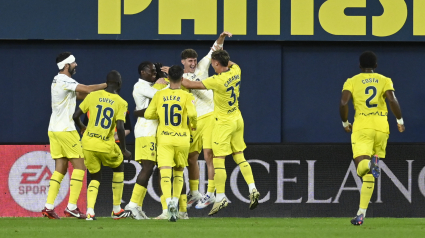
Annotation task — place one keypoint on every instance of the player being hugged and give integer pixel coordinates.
(64, 139)
(201, 138)
(108, 111)
(173, 107)
(370, 128)
(227, 135)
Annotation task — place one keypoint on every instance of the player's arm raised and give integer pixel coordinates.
(343, 110)
(191, 112)
(192, 84)
(395, 109)
(151, 111)
(83, 90)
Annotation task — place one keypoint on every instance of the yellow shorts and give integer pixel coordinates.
(227, 137)
(173, 156)
(369, 142)
(201, 138)
(65, 144)
(145, 148)
(94, 159)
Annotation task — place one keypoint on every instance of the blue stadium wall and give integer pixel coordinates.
(290, 90)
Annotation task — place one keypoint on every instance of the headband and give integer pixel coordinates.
(69, 60)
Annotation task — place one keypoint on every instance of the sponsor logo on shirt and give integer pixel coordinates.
(374, 114)
(172, 133)
(98, 136)
(232, 110)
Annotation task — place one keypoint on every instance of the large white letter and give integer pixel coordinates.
(406, 192)
(311, 185)
(281, 180)
(353, 171)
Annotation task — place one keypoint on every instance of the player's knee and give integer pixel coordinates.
(193, 159)
(238, 158)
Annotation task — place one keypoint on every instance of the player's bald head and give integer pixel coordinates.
(114, 78)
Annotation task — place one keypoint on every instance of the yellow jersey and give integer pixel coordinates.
(158, 86)
(368, 91)
(226, 87)
(105, 110)
(173, 108)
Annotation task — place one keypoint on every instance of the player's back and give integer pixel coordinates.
(368, 91)
(226, 87)
(105, 109)
(173, 107)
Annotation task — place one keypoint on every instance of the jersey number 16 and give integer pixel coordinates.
(171, 115)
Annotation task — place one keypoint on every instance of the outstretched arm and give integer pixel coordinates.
(192, 84)
(395, 109)
(83, 90)
(343, 109)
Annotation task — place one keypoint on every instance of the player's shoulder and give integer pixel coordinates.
(63, 78)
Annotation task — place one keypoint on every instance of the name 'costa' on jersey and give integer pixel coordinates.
(368, 91)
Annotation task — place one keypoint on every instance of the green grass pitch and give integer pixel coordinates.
(212, 227)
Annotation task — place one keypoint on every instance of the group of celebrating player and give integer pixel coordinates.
(181, 111)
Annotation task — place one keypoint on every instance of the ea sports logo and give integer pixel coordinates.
(29, 180)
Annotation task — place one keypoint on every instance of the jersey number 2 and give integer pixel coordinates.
(371, 96)
(108, 114)
(171, 114)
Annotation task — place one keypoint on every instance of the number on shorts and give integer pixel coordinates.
(153, 146)
(171, 116)
(371, 97)
(108, 114)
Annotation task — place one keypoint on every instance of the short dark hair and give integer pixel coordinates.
(175, 73)
(368, 59)
(221, 56)
(189, 53)
(62, 56)
(143, 66)
(113, 77)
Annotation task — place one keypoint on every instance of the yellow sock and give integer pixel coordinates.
(245, 168)
(363, 167)
(194, 184)
(138, 194)
(76, 185)
(177, 183)
(220, 175)
(92, 191)
(163, 203)
(211, 186)
(367, 190)
(183, 203)
(142, 197)
(54, 185)
(117, 187)
(166, 183)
